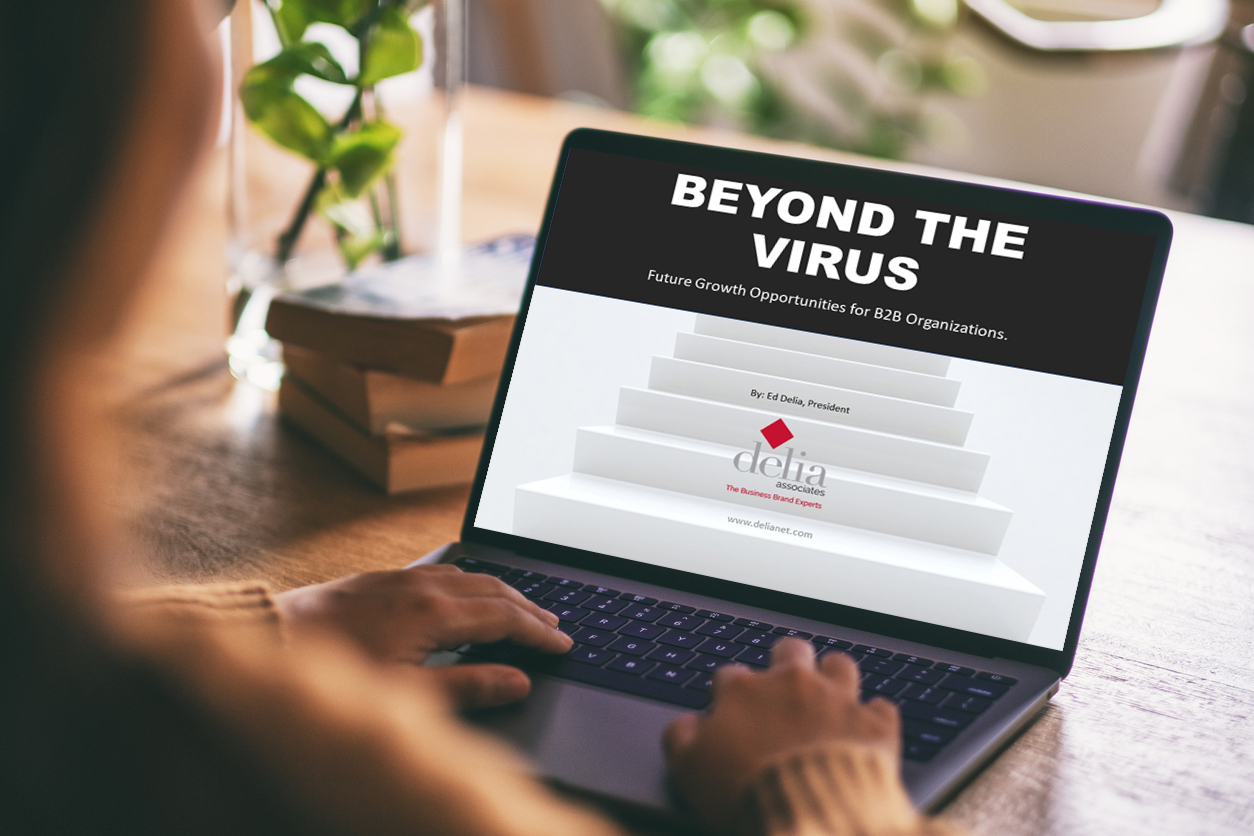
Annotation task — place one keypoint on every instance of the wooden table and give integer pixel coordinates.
(1152, 732)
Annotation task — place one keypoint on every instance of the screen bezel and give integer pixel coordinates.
(889, 184)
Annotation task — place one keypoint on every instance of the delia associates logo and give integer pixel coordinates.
(792, 471)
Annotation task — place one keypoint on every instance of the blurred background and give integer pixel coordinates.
(1137, 100)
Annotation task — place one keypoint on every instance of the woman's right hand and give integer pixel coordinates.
(757, 717)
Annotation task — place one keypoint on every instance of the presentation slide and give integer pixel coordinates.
(682, 396)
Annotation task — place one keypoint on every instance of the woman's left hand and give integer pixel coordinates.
(407, 614)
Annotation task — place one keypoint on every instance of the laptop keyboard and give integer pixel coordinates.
(669, 651)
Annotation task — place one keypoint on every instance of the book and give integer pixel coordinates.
(376, 401)
(411, 318)
(395, 462)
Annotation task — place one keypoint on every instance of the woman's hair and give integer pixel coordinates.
(69, 72)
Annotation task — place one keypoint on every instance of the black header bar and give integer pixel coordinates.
(1042, 283)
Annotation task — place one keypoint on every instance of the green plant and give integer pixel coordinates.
(851, 74)
(353, 186)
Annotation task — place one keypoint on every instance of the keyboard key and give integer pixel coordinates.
(828, 641)
(972, 686)
(567, 596)
(788, 631)
(668, 673)
(536, 589)
(671, 655)
(883, 685)
(570, 628)
(641, 613)
(474, 564)
(636, 647)
(675, 638)
(756, 638)
(714, 616)
(609, 605)
(638, 599)
(565, 582)
(883, 667)
(603, 622)
(673, 607)
(720, 647)
(720, 630)
(630, 664)
(641, 630)
(914, 673)
(568, 613)
(934, 714)
(873, 651)
(914, 660)
(527, 574)
(926, 732)
(854, 657)
(595, 638)
(589, 655)
(754, 625)
(709, 663)
(962, 702)
(958, 669)
(913, 750)
(602, 590)
(996, 677)
(629, 683)
(702, 682)
(755, 656)
(922, 693)
(679, 622)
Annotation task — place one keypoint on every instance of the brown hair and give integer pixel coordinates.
(68, 73)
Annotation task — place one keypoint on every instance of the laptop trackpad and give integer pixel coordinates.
(590, 739)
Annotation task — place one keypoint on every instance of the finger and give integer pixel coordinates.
(885, 714)
(726, 677)
(841, 669)
(480, 585)
(792, 652)
(680, 735)
(490, 619)
(480, 686)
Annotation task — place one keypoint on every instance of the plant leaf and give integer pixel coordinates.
(392, 48)
(355, 230)
(363, 155)
(280, 113)
(310, 58)
(290, 21)
(340, 12)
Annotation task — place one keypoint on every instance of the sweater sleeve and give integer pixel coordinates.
(836, 790)
(242, 604)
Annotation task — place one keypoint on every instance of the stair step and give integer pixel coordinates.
(875, 412)
(863, 352)
(913, 510)
(852, 447)
(816, 368)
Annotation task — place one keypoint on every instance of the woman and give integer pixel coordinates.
(227, 709)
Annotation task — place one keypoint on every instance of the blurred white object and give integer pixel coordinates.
(1173, 23)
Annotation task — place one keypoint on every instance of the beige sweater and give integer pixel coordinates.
(369, 749)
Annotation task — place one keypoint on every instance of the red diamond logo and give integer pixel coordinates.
(776, 433)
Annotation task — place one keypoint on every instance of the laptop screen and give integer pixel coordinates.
(827, 384)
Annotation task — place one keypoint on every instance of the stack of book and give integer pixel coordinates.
(395, 375)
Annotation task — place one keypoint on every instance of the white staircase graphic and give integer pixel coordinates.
(901, 529)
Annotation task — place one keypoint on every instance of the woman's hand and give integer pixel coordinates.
(407, 614)
(757, 717)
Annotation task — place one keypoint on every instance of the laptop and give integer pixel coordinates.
(752, 396)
